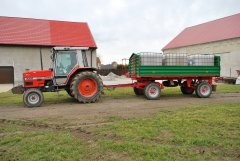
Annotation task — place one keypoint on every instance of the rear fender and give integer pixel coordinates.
(75, 71)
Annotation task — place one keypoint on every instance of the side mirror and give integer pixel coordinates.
(50, 69)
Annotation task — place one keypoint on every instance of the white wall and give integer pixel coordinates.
(24, 57)
(230, 62)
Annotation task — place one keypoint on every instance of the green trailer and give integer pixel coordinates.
(153, 71)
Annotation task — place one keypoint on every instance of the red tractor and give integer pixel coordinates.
(70, 71)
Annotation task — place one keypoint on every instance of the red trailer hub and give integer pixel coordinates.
(152, 90)
(204, 89)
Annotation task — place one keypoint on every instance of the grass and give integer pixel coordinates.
(9, 99)
(196, 133)
(21, 144)
(228, 88)
(207, 132)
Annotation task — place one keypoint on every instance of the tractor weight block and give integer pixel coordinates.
(17, 90)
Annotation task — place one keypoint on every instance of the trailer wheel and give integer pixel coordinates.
(138, 91)
(86, 87)
(33, 97)
(152, 91)
(203, 90)
(196, 91)
(185, 89)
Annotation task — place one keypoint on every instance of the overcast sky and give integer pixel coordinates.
(121, 27)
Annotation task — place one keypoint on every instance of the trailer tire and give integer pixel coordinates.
(33, 97)
(203, 90)
(138, 91)
(86, 87)
(185, 89)
(196, 91)
(152, 91)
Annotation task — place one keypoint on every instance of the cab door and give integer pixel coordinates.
(65, 61)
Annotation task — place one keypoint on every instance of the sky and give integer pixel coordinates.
(121, 27)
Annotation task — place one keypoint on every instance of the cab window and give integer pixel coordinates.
(65, 62)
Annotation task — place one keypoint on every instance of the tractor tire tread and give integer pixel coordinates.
(77, 95)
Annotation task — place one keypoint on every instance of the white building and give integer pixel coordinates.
(220, 37)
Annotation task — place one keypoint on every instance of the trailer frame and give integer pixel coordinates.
(185, 82)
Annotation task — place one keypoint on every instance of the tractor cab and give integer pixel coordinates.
(66, 60)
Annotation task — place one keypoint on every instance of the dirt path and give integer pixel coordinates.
(97, 113)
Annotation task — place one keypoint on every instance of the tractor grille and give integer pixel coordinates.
(28, 83)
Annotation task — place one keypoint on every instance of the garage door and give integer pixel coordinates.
(6, 75)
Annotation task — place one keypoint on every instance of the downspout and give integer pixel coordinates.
(13, 64)
(41, 58)
(91, 57)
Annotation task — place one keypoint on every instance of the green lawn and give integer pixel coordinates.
(126, 92)
(19, 143)
(196, 133)
(228, 88)
(208, 132)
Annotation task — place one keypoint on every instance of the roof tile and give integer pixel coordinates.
(26, 31)
(220, 29)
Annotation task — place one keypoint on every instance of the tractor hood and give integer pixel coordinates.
(37, 74)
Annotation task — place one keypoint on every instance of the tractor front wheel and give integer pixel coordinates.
(86, 87)
(33, 97)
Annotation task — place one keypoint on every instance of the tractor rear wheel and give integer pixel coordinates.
(152, 91)
(86, 87)
(138, 91)
(69, 92)
(203, 90)
(33, 97)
